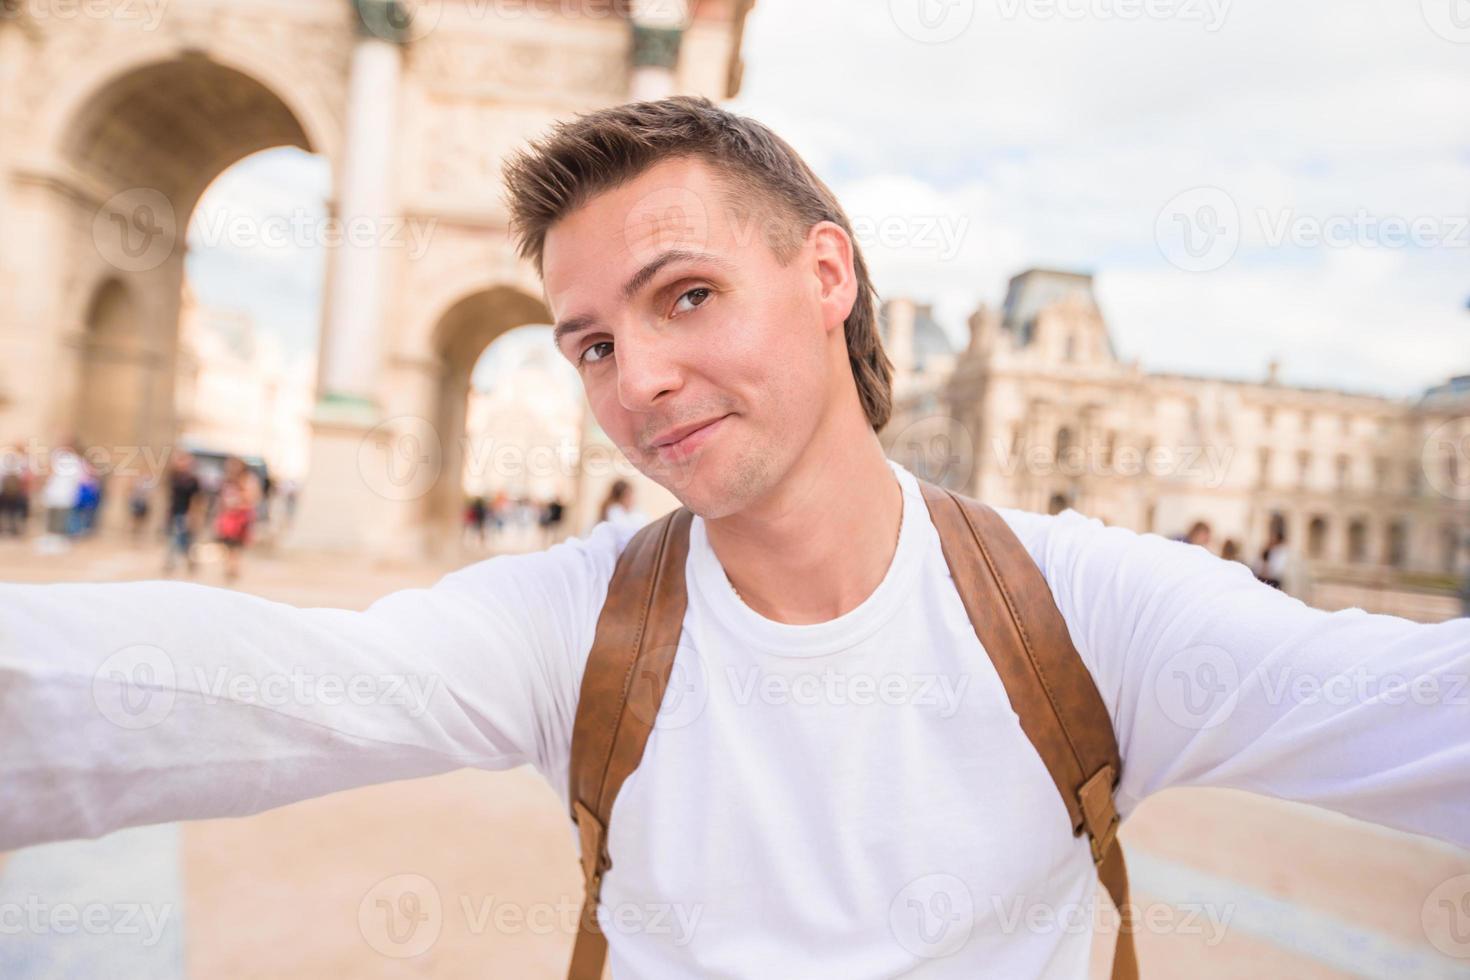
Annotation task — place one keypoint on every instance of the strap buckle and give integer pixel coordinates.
(595, 860)
(1099, 812)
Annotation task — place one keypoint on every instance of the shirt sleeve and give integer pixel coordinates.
(1214, 679)
(136, 703)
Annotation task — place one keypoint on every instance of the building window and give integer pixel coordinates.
(1303, 467)
(1268, 416)
(1398, 543)
(1412, 473)
(1357, 541)
(1306, 421)
(1344, 473)
(1263, 471)
(1064, 445)
(1380, 474)
(1317, 538)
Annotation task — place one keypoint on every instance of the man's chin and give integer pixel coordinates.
(714, 486)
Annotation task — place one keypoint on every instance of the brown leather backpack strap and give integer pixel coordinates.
(622, 687)
(1050, 688)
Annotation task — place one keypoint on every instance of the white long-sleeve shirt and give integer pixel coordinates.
(847, 799)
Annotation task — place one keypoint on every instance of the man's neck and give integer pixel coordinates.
(820, 543)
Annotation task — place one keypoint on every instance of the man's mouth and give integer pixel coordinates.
(678, 444)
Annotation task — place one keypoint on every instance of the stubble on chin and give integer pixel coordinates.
(715, 494)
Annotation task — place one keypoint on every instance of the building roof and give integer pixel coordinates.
(1452, 392)
(1030, 291)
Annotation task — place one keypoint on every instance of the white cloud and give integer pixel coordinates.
(1057, 140)
(250, 244)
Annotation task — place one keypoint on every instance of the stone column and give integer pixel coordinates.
(341, 510)
(658, 26)
(351, 348)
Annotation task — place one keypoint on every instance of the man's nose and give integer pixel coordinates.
(648, 369)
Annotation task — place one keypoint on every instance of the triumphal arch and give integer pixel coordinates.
(115, 115)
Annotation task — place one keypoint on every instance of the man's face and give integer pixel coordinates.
(705, 359)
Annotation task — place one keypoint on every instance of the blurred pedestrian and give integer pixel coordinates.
(185, 503)
(140, 497)
(289, 491)
(1199, 533)
(499, 510)
(1275, 560)
(617, 506)
(59, 497)
(474, 518)
(551, 519)
(239, 495)
(89, 500)
(15, 491)
(1230, 550)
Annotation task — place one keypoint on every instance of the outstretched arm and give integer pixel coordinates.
(136, 703)
(1214, 679)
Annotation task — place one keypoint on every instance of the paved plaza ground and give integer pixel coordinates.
(1232, 885)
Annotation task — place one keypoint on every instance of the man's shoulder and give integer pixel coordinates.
(1115, 587)
(569, 568)
(1072, 548)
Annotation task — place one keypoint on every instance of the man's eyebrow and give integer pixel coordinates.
(640, 278)
(571, 325)
(636, 282)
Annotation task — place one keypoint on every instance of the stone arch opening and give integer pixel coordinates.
(461, 335)
(131, 163)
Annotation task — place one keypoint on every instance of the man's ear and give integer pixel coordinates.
(832, 262)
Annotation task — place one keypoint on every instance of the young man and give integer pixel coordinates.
(836, 785)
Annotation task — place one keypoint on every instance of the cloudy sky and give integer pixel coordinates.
(1247, 179)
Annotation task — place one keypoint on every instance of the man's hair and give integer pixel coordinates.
(599, 151)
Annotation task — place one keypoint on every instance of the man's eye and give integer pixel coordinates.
(691, 300)
(593, 353)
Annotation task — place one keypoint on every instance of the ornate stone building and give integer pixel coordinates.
(1039, 412)
(115, 117)
(237, 391)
